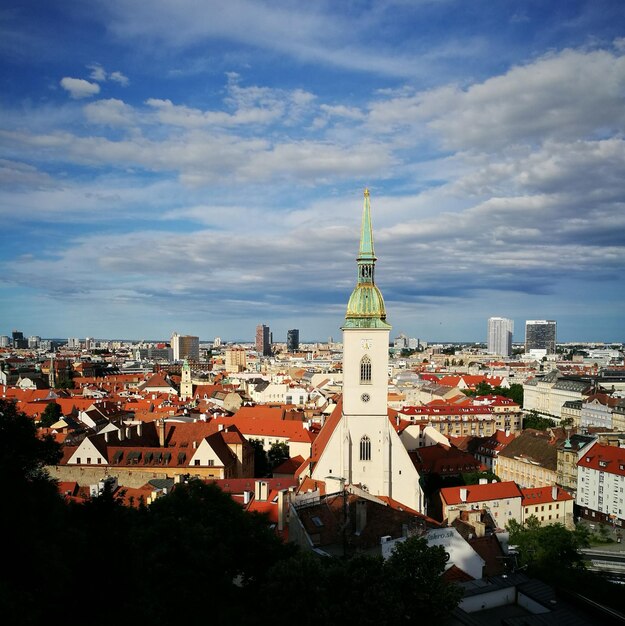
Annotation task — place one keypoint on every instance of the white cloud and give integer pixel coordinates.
(118, 77)
(111, 112)
(97, 72)
(79, 88)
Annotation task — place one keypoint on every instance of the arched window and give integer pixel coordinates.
(365, 370)
(365, 448)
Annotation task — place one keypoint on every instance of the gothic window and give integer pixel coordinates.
(365, 448)
(365, 370)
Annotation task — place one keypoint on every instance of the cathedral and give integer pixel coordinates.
(358, 444)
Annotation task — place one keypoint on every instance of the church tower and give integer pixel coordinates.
(186, 384)
(360, 446)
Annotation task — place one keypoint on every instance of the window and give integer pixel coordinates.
(211, 463)
(88, 460)
(365, 370)
(78, 460)
(197, 461)
(365, 448)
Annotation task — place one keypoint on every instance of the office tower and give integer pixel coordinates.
(185, 347)
(292, 340)
(73, 343)
(263, 341)
(540, 335)
(88, 343)
(5, 341)
(18, 339)
(34, 341)
(500, 332)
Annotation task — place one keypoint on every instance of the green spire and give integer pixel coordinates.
(365, 308)
(366, 233)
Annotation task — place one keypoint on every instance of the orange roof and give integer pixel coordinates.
(481, 493)
(542, 495)
(604, 458)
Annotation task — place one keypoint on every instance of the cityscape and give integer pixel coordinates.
(313, 313)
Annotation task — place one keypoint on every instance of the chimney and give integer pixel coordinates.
(247, 496)
(283, 499)
(361, 516)
(140, 429)
(121, 433)
(261, 490)
(160, 427)
(483, 481)
(554, 493)
(221, 427)
(463, 494)
(106, 437)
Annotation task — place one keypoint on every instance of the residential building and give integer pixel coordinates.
(540, 335)
(185, 347)
(502, 499)
(500, 330)
(601, 484)
(530, 460)
(263, 340)
(236, 360)
(292, 340)
(597, 410)
(549, 505)
(548, 394)
(569, 452)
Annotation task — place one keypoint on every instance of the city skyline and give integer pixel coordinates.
(201, 170)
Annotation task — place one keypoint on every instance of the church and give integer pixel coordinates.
(358, 444)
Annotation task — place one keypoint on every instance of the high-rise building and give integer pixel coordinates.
(18, 339)
(500, 331)
(292, 340)
(263, 340)
(73, 343)
(34, 341)
(540, 335)
(5, 341)
(185, 347)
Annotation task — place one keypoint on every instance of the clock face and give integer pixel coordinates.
(365, 397)
(365, 344)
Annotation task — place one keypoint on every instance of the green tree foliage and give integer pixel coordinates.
(473, 478)
(278, 453)
(51, 415)
(534, 420)
(540, 547)
(515, 392)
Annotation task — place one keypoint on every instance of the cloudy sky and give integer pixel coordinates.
(198, 166)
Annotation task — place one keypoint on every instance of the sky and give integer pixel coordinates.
(198, 167)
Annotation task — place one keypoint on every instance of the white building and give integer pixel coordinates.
(185, 347)
(601, 484)
(358, 445)
(500, 330)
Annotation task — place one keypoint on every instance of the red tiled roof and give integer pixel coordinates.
(481, 493)
(542, 495)
(603, 458)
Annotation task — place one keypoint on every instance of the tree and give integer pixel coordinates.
(540, 547)
(51, 415)
(534, 420)
(261, 463)
(278, 453)
(473, 478)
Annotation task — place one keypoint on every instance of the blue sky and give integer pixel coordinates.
(199, 166)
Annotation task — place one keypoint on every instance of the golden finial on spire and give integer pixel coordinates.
(366, 192)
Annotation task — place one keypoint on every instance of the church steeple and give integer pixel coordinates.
(365, 308)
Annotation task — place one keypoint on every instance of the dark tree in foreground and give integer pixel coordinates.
(192, 555)
(51, 415)
(363, 589)
(551, 553)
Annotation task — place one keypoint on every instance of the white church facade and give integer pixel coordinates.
(362, 447)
